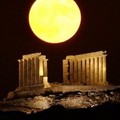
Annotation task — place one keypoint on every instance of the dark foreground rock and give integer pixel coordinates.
(69, 100)
(106, 111)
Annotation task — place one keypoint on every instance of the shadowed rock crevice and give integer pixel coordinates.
(105, 111)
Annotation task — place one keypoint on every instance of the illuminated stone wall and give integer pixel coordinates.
(85, 69)
(32, 70)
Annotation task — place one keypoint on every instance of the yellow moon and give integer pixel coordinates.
(54, 21)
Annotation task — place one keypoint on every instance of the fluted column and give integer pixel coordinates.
(65, 72)
(100, 69)
(83, 71)
(87, 71)
(71, 72)
(91, 71)
(24, 72)
(45, 71)
(40, 71)
(36, 70)
(95, 70)
(32, 72)
(104, 69)
(75, 71)
(28, 71)
(20, 73)
(79, 72)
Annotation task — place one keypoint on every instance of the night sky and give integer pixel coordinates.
(99, 30)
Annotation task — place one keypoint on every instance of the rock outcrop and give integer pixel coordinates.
(69, 100)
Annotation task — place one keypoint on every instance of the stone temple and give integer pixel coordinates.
(85, 69)
(78, 70)
(33, 76)
(32, 70)
(84, 84)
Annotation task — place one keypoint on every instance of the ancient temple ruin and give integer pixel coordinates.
(33, 76)
(85, 69)
(78, 70)
(32, 70)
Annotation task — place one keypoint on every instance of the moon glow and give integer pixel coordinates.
(54, 21)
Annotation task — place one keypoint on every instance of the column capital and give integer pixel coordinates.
(19, 60)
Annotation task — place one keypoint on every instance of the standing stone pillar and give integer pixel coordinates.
(87, 72)
(36, 70)
(32, 72)
(20, 73)
(65, 72)
(91, 71)
(75, 71)
(25, 72)
(28, 71)
(100, 70)
(83, 71)
(104, 69)
(71, 72)
(95, 71)
(79, 72)
(45, 71)
(40, 71)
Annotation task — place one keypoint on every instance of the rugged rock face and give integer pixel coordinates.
(69, 100)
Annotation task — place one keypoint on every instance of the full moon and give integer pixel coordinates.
(54, 21)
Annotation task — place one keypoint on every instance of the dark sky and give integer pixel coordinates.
(99, 30)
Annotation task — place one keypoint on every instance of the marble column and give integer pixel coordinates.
(71, 72)
(20, 73)
(91, 71)
(95, 70)
(40, 71)
(36, 70)
(45, 71)
(32, 71)
(79, 71)
(87, 71)
(28, 72)
(100, 70)
(75, 71)
(65, 72)
(25, 72)
(104, 69)
(83, 71)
